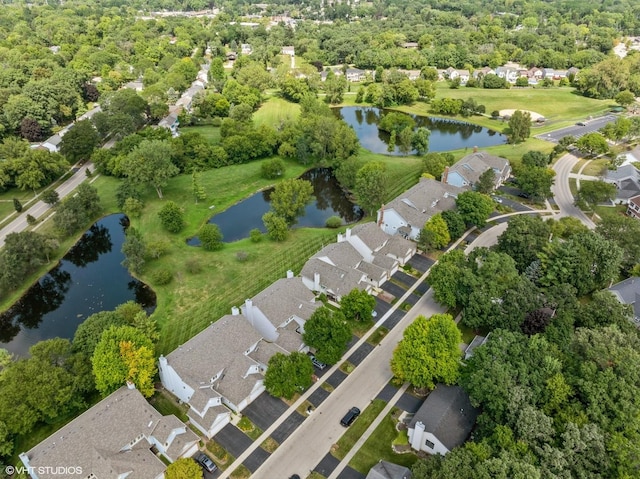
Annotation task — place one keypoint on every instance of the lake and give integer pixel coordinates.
(329, 199)
(87, 280)
(445, 134)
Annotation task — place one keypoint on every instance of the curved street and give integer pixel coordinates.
(562, 193)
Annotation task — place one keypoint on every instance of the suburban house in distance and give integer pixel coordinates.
(388, 470)
(114, 438)
(408, 213)
(171, 123)
(444, 420)
(627, 180)
(628, 292)
(467, 170)
(633, 207)
(279, 311)
(214, 372)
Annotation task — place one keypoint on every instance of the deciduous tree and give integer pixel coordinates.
(371, 186)
(79, 142)
(289, 198)
(519, 125)
(429, 352)
(434, 234)
(288, 374)
(210, 237)
(276, 226)
(150, 163)
(183, 468)
(172, 217)
(328, 333)
(474, 207)
(357, 305)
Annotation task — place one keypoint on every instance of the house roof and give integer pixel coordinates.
(398, 247)
(475, 342)
(388, 470)
(371, 235)
(338, 280)
(623, 172)
(447, 413)
(635, 200)
(341, 254)
(628, 292)
(472, 166)
(54, 140)
(220, 347)
(285, 298)
(422, 201)
(95, 439)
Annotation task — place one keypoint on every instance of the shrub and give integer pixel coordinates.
(193, 266)
(210, 237)
(133, 207)
(333, 222)
(273, 168)
(242, 256)
(162, 277)
(31, 220)
(216, 121)
(172, 217)
(17, 205)
(255, 235)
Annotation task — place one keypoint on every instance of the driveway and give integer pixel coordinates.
(265, 410)
(233, 440)
(358, 356)
(288, 426)
(404, 278)
(421, 262)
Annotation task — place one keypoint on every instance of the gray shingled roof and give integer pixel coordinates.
(285, 298)
(447, 413)
(628, 292)
(623, 172)
(388, 470)
(398, 247)
(422, 201)
(472, 166)
(265, 351)
(341, 254)
(220, 347)
(338, 280)
(373, 272)
(371, 235)
(95, 439)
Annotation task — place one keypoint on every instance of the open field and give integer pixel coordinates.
(210, 132)
(275, 111)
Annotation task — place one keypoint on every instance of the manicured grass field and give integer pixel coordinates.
(275, 111)
(210, 132)
(353, 433)
(378, 448)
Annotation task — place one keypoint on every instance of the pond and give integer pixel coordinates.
(445, 134)
(88, 279)
(329, 199)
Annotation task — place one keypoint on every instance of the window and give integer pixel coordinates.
(429, 444)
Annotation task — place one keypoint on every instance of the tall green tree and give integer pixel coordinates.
(486, 182)
(519, 126)
(183, 468)
(328, 333)
(79, 142)
(123, 354)
(357, 305)
(474, 207)
(289, 198)
(524, 238)
(429, 352)
(371, 186)
(210, 237)
(150, 163)
(276, 226)
(288, 374)
(595, 192)
(134, 250)
(172, 217)
(420, 140)
(434, 234)
(623, 231)
(592, 144)
(536, 182)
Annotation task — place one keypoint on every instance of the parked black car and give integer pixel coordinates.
(351, 416)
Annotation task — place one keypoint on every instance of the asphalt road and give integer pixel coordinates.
(40, 208)
(577, 131)
(322, 429)
(562, 193)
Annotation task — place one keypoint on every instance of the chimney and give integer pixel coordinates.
(248, 310)
(381, 216)
(130, 385)
(445, 175)
(289, 274)
(235, 311)
(348, 233)
(316, 281)
(475, 149)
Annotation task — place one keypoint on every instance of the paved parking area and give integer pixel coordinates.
(387, 392)
(265, 410)
(381, 307)
(349, 473)
(318, 396)
(358, 356)
(404, 278)
(233, 440)
(255, 460)
(577, 131)
(327, 465)
(336, 378)
(289, 425)
(422, 287)
(394, 289)
(409, 403)
(421, 263)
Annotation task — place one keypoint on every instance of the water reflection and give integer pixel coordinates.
(329, 199)
(446, 134)
(88, 279)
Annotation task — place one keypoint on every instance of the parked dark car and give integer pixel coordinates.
(204, 460)
(351, 416)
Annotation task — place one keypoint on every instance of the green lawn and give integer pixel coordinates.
(351, 436)
(378, 447)
(210, 132)
(604, 211)
(166, 404)
(275, 111)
